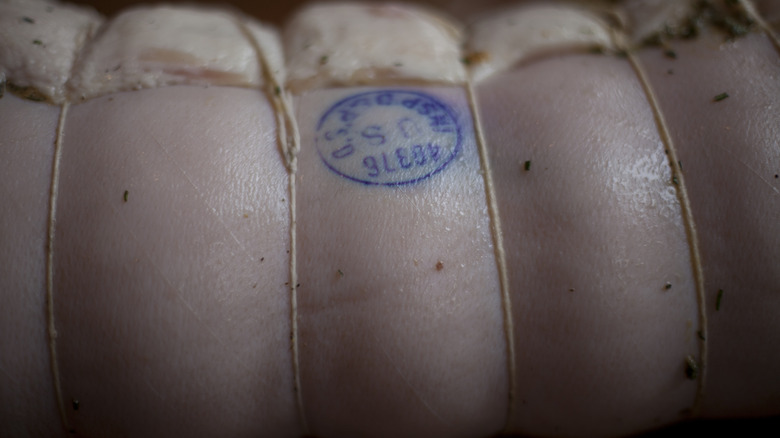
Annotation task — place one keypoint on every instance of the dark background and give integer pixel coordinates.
(277, 12)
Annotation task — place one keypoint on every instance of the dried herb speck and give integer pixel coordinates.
(527, 165)
(125, 195)
(700, 334)
(75, 405)
(340, 273)
(671, 54)
(38, 42)
(28, 93)
(668, 286)
(720, 97)
(596, 50)
(277, 90)
(28, 20)
(691, 368)
(323, 59)
(475, 58)
(439, 265)
(719, 299)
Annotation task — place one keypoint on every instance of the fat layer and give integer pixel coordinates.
(39, 43)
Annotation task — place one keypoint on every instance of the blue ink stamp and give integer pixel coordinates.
(388, 137)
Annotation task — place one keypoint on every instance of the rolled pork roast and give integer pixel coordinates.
(388, 220)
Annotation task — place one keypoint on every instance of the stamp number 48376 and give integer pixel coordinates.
(388, 137)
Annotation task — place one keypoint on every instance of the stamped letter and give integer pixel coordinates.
(388, 137)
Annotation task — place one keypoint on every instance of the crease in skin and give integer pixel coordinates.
(50, 246)
(620, 39)
(209, 206)
(499, 254)
(177, 290)
(747, 166)
(289, 141)
(751, 10)
(409, 384)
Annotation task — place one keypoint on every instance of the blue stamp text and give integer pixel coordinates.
(388, 137)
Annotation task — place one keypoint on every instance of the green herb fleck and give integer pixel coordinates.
(277, 90)
(668, 286)
(671, 54)
(718, 299)
(465, 60)
(700, 334)
(720, 97)
(596, 50)
(679, 164)
(527, 165)
(323, 59)
(398, 64)
(28, 93)
(691, 368)
(340, 272)
(675, 180)
(38, 42)
(125, 195)
(28, 20)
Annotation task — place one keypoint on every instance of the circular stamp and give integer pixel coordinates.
(388, 137)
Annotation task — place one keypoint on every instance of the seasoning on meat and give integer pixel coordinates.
(720, 97)
(691, 368)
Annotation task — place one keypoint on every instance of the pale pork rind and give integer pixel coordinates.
(49, 53)
(39, 42)
(58, 52)
(509, 36)
(160, 46)
(353, 44)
